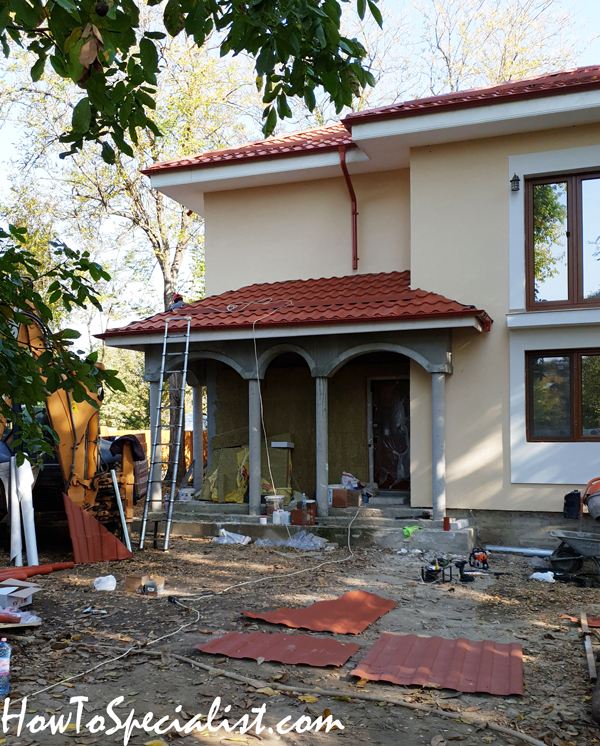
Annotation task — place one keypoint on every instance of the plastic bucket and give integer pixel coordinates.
(593, 505)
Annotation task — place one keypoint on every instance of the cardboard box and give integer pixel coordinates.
(16, 593)
(302, 518)
(341, 497)
(136, 583)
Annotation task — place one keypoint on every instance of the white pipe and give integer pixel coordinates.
(16, 542)
(121, 511)
(520, 550)
(25, 482)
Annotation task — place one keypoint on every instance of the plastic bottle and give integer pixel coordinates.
(304, 501)
(5, 652)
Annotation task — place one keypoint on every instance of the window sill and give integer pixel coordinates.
(555, 317)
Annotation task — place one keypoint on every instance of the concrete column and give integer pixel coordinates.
(254, 440)
(438, 444)
(155, 450)
(198, 437)
(322, 437)
(211, 407)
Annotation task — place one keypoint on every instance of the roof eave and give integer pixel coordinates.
(470, 318)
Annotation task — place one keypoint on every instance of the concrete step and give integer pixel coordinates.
(429, 539)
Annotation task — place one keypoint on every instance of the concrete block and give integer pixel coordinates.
(461, 541)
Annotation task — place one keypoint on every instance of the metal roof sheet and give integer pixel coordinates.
(351, 613)
(353, 298)
(461, 664)
(92, 542)
(292, 649)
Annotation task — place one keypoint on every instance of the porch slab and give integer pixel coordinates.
(369, 534)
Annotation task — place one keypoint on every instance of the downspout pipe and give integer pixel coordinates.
(351, 192)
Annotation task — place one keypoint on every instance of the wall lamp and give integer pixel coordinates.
(515, 183)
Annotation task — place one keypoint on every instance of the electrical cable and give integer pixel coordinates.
(230, 309)
(197, 612)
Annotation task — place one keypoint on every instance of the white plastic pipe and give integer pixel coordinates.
(254, 444)
(25, 482)
(520, 550)
(121, 511)
(16, 542)
(438, 444)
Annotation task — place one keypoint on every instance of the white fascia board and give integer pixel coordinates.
(140, 340)
(239, 175)
(556, 318)
(485, 121)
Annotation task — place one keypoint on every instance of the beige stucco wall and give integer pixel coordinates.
(299, 231)
(459, 248)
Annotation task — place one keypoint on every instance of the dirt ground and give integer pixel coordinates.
(507, 608)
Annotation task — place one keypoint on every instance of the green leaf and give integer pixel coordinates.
(375, 12)
(82, 116)
(37, 69)
(148, 55)
(361, 7)
(108, 154)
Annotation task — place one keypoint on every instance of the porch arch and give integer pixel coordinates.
(338, 362)
(269, 355)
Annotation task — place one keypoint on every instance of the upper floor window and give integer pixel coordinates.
(563, 241)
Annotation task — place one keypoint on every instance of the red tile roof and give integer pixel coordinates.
(331, 136)
(364, 298)
(580, 79)
(463, 665)
(291, 649)
(351, 613)
(321, 139)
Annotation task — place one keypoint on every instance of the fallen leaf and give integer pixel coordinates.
(308, 698)
(438, 741)
(362, 682)
(156, 742)
(270, 692)
(260, 660)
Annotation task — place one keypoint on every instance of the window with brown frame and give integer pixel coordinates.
(563, 395)
(563, 241)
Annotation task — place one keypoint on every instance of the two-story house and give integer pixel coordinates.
(413, 292)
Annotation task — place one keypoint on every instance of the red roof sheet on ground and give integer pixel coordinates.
(349, 614)
(463, 665)
(320, 139)
(331, 136)
(331, 300)
(292, 649)
(92, 542)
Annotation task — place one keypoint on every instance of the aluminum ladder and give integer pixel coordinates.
(177, 336)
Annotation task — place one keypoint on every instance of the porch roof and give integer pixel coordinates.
(355, 299)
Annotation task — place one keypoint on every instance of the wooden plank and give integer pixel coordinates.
(584, 623)
(591, 661)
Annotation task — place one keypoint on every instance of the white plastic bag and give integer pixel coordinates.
(105, 583)
(228, 537)
(544, 577)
